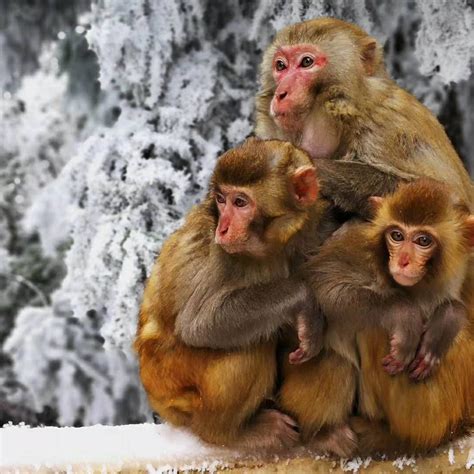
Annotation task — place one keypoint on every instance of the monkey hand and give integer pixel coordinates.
(423, 365)
(440, 331)
(311, 340)
(401, 354)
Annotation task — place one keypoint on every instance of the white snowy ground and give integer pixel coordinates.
(149, 446)
(162, 448)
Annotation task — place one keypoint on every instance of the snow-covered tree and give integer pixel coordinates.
(183, 74)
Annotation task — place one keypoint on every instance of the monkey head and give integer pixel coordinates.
(261, 193)
(305, 61)
(426, 231)
(295, 70)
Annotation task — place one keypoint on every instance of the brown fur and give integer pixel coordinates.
(428, 203)
(355, 291)
(198, 295)
(386, 135)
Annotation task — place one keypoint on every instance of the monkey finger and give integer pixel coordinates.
(424, 368)
(391, 365)
(279, 429)
(419, 372)
(338, 440)
(290, 422)
(298, 356)
(416, 362)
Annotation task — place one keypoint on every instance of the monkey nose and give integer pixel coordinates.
(282, 95)
(404, 262)
(222, 230)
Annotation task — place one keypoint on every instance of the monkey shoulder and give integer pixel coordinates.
(345, 256)
(193, 238)
(399, 129)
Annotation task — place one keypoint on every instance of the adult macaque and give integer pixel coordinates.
(403, 272)
(324, 88)
(225, 280)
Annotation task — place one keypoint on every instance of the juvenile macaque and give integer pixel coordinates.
(225, 282)
(324, 88)
(404, 272)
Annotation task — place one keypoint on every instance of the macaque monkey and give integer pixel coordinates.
(225, 282)
(324, 88)
(404, 272)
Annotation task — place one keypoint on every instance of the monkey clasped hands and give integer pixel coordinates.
(403, 271)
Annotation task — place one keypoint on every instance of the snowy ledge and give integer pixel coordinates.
(161, 448)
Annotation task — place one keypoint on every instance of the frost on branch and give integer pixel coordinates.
(53, 353)
(135, 181)
(182, 75)
(449, 26)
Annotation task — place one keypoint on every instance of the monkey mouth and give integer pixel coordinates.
(405, 279)
(231, 248)
(289, 121)
(288, 114)
(243, 249)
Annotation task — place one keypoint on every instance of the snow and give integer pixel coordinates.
(354, 465)
(405, 461)
(470, 459)
(162, 447)
(454, 38)
(451, 458)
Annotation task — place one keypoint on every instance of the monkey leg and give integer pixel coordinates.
(320, 394)
(374, 437)
(421, 415)
(218, 396)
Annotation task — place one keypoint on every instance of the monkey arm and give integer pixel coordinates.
(310, 330)
(443, 327)
(349, 184)
(441, 330)
(405, 326)
(233, 318)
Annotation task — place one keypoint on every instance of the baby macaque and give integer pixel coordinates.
(403, 271)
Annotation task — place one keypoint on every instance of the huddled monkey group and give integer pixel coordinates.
(322, 292)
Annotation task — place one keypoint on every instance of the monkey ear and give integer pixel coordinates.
(369, 55)
(469, 226)
(305, 185)
(375, 202)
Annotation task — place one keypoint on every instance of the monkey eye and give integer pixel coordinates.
(396, 235)
(307, 61)
(240, 202)
(220, 198)
(424, 241)
(280, 65)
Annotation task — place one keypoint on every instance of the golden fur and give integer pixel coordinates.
(385, 127)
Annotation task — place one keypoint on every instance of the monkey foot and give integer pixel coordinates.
(338, 440)
(392, 365)
(423, 366)
(271, 430)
